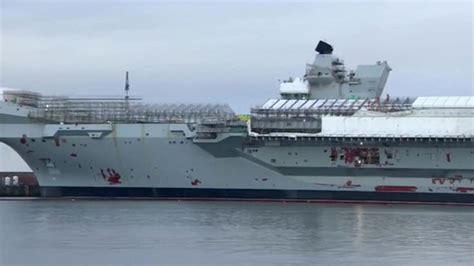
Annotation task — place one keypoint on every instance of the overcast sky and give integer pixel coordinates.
(233, 52)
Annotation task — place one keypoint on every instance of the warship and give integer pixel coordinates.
(331, 135)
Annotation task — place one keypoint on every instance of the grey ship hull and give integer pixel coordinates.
(167, 161)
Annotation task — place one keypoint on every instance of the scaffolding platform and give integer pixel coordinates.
(94, 110)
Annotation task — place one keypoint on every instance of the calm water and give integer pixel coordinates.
(232, 233)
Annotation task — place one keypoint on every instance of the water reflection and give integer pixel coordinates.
(118, 232)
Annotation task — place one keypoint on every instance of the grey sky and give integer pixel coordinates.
(233, 52)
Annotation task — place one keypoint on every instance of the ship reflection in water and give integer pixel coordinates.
(100, 232)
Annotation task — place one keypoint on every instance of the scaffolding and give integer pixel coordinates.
(117, 110)
(290, 108)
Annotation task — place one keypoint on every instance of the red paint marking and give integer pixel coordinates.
(349, 155)
(448, 157)
(114, 178)
(465, 189)
(395, 188)
(438, 180)
(73, 155)
(111, 176)
(23, 139)
(196, 182)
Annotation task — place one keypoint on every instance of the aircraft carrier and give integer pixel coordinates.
(332, 135)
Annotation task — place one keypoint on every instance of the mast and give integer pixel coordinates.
(127, 105)
(127, 86)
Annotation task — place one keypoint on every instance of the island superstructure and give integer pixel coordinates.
(331, 135)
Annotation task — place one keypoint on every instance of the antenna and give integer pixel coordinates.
(127, 104)
(127, 86)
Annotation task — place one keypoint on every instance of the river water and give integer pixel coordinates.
(45, 232)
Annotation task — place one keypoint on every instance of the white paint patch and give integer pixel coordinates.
(10, 160)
